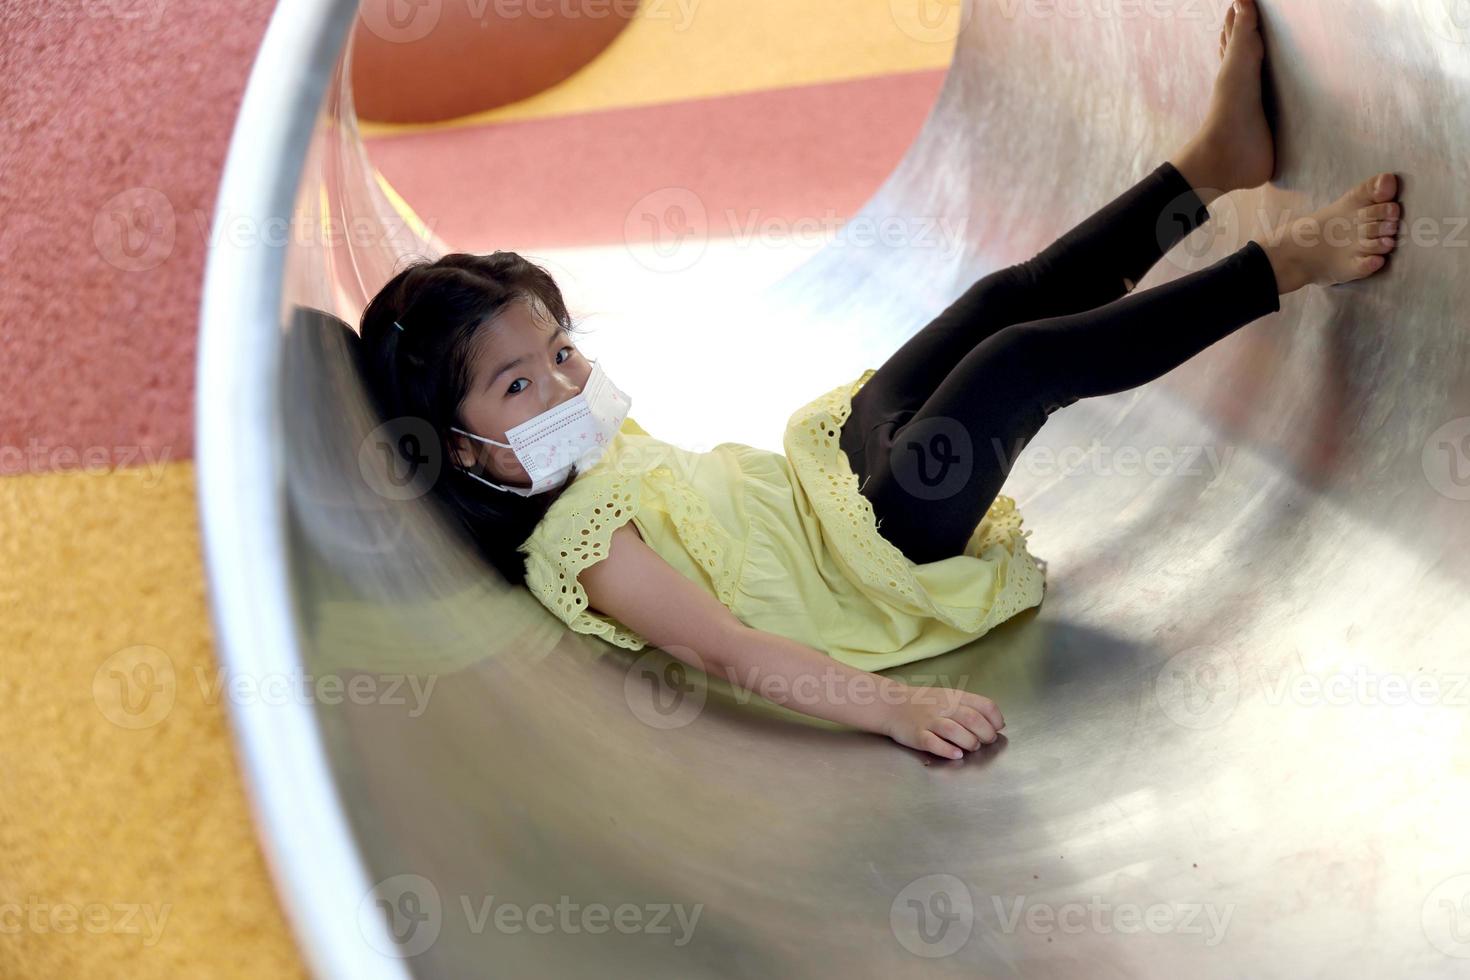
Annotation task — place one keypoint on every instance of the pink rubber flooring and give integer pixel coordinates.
(807, 151)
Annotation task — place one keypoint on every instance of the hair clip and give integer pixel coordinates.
(390, 343)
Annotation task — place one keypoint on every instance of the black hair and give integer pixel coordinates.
(422, 373)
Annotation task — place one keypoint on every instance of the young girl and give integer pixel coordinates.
(880, 536)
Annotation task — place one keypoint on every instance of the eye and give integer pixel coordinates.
(513, 390)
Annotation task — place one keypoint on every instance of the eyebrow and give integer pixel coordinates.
(555, 336)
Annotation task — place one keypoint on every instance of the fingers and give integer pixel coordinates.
(977, 723)
(986, 707)
(952, 731)
(961, 722)
(935, 745)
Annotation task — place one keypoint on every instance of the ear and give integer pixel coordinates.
(461, 451)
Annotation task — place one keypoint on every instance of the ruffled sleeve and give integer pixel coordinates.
(573, 534)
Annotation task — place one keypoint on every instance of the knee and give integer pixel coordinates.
(1007, 290)
(1021, 354)
(1033, 272)
(1001, 296)
(1044, 366)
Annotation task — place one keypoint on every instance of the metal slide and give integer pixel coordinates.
(1237, 735)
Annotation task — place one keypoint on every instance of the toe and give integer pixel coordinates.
(1381, 229)
(1385, 187)
(1229, 21)
(1378, 246)
(1374, 190)
(1380, 212)
(1369, 264)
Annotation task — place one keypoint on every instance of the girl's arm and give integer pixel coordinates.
(635, 586)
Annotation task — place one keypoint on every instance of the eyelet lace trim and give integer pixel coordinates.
(603, 503)
(812, 445)
(602, 500)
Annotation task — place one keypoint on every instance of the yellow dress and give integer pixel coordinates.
(785, 542)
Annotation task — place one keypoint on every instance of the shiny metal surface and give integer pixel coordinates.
(1236, 739)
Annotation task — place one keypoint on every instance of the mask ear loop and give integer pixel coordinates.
(465, 470)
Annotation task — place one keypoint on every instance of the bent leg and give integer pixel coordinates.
(1098, 261)
(933, 475)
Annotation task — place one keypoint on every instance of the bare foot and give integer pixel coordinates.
(1234, 149)
(1347, 240)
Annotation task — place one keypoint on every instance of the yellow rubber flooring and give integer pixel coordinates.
(128, 847)
(680, 50)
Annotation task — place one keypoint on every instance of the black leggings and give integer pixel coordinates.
(933, 434)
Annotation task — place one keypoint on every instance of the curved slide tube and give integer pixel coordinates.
(1236, 739)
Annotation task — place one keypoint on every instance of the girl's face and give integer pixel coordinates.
(525, 365)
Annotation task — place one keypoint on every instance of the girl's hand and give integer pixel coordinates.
(942, 721)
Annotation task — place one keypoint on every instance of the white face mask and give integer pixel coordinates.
(575, 433)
